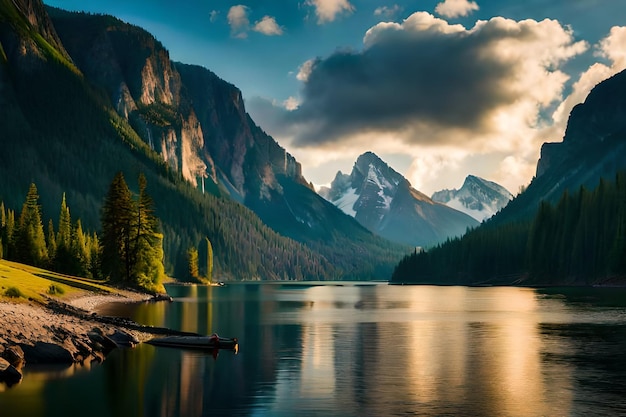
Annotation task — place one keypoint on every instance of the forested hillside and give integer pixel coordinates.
(579, 241)
(61, 131)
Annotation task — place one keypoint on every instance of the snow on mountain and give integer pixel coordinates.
(384, 202)
(478, 198)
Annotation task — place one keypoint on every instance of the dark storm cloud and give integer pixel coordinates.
(424, 73)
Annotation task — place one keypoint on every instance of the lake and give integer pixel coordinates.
(354, 349)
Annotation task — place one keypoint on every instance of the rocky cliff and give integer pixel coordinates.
(194, 119)
(120, 104)
(593, 147)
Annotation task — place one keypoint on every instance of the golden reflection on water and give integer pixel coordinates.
(351, 351)
(481, 347)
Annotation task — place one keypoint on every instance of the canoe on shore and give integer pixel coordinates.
(196, 342)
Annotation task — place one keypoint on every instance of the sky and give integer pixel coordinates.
(438, 89)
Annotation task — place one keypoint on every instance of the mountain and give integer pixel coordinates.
(593, 147)
(384, 202)
(85, 96)
(566, 228)
(478, 198)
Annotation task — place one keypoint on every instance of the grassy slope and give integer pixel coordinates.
(34, 282)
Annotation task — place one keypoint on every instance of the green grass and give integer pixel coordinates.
(36, 283)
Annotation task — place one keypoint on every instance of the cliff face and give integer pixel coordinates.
(593, 147)
(25, 18)
(194, 119)
(599, 122)
(120, 104)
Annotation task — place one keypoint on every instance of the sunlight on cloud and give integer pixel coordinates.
(305, 70)
(238, 21)
(446, 93)
(268, 26)
(291, 103)
(328, 10)
(613, 48)
(456, 8)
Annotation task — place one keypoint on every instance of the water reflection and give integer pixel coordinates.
(355, 350)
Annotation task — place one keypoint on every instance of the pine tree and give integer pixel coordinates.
(52, 245)
(117, 216)
(63, 260)
(192, 260)
(78, 250)
(209, 260)
(30, 242)
(147, 247)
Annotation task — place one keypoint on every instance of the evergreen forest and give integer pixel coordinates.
(130, 252)
(580, 240)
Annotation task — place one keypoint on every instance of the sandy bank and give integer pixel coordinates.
(30, 322)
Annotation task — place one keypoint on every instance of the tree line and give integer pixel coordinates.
(129, 251)
(581, 240)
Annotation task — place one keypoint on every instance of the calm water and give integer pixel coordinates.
(357, 350)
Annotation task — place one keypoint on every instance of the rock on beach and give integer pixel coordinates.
(33, 333)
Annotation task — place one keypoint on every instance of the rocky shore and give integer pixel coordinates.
(65, 332)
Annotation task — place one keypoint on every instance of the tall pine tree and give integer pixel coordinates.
(132, 244)
(30, 241)
(117, 216)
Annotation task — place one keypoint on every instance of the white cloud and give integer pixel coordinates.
(328, 10)
(268, 26)
(291, 103)
(305, 70)
(458, 100)
(238, 21)
(213, 16)
(388, 12)
(613, 48)
(456, 8)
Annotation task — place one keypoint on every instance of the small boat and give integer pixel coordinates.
(197, 342)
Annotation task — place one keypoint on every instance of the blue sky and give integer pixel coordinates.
(438, 89)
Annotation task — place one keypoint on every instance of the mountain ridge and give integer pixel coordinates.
(384, 202)
(477, 197)
(69, 133)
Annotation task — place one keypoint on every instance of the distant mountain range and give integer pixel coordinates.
(478, 197)
(384, 202)
(84, 96)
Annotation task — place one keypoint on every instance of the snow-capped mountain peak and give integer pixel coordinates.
(384, 202)
(478, 197)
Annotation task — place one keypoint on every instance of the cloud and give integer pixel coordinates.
(268, 26)
(213, 16)
(328, 10)
(238, 21)
(456, 8)
(430, 89)
(388, 12)
(429, 81)
(305, 70)
(611, 48)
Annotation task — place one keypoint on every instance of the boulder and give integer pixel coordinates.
(14, 355)
(43, 352)
(98, 337)
(124, 339)
(8, 373)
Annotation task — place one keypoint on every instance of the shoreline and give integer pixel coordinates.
(63, 331)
